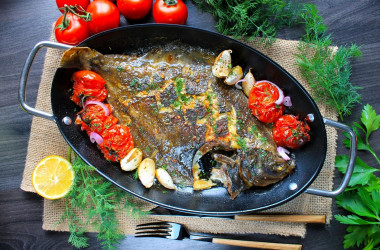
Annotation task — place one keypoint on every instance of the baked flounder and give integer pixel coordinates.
(181, 116)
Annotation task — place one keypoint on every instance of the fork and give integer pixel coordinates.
(176, 231)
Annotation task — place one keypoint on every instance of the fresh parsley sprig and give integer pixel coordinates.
(98, 200)
(362, 196)
(371, 123)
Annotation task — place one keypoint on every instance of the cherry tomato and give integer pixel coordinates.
(117, 142)
(134, 9)
(92, 118)
(288, 131)
(87, 86)
(75, 32)
(104, 16)
(261, 101)
(82, 3)
(170, 11)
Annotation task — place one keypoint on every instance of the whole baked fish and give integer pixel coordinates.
(191, 123)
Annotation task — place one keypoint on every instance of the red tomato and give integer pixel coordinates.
(290, 132)
(262, 100)
(75, 32)
(170, 11)
(134, 9)
(82, 3)
(117, 142)
(89, 86)
(93, 119)
(104, 16)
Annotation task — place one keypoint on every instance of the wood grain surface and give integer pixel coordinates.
(26, 22)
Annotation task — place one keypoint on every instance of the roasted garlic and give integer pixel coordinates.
(249, 81)
(222, 64)
(146, 172)
(165, 179)
(132, 160)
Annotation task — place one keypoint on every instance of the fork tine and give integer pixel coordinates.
(153, 232)
(154, 224)
(151, 235)
(154, 229)
(162, 228)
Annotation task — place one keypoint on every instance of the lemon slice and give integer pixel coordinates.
(53, 177)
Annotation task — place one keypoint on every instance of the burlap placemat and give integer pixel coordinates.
(45, 139)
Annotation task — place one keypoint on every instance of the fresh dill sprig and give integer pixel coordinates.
(327, 72)
(251, 19)
(99, 200)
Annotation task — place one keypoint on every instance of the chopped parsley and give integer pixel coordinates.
(242, 144)
(135, 175)
(134, 81)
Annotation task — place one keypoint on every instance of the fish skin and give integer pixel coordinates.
(215, 116)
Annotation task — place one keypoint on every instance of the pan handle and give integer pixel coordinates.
(25, 73)
(351, 163)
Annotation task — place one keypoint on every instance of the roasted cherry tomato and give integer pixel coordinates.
(82, 3)
(87, 86)
(93, 118)
(72, 30)
(104, 16)
(288, 131)
(134, 9)
(117, 142)
(170, 11)
(262, 100)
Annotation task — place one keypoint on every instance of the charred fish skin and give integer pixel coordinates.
(175, 108)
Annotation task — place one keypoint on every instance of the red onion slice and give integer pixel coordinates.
(106, 110)
(280, 92)
(284, 153)
(238, 84)
(95, 137)
(287, 101)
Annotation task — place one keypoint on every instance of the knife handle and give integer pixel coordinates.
(284, 218)
(257, 244)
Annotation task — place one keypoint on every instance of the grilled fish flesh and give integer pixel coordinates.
(180, 114)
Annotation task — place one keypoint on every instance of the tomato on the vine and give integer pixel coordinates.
(71, 29)
(288, 131)
(261, 101)
(104, 16)
(82, 3)
(134, 9)
(170, 11)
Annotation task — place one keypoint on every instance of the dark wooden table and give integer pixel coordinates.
(26, 22)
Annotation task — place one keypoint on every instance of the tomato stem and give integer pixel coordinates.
(170, 2)
(75, 10)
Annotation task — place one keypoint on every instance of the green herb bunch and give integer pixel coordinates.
(251, 19)
(328, 72)
(362, 196)
(98, 200)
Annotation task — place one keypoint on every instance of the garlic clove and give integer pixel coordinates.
(248, 83)
(222, 64)
(132, 160)
(146, 172)
(165, 179)
(234, 76)
(203, 184)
